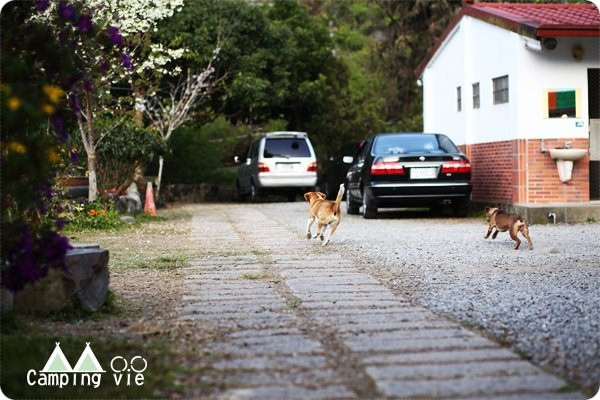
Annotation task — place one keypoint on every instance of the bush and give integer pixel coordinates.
(198, 153)
(125, 146)
(94, 216)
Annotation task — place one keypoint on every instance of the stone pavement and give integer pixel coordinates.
(300, 320)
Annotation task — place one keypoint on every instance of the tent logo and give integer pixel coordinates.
(58, 371)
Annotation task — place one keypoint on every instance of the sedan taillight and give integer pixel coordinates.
(263, 167)
(387, 168)
(456, 167)
(312, 167)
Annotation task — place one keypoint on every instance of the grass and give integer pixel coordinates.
(28, 340)
(148, 243)
(256, 276)
(172, 261)
(24, 351)
(568, 387)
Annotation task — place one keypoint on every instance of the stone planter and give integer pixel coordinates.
(71, 181)
(84, 283)
(75, 186)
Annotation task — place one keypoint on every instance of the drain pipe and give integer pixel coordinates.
(553, 216)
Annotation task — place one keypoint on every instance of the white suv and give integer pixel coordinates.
(278, 162)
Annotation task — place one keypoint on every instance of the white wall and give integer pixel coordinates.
(478, 52)
(554, 69)
(440, 79)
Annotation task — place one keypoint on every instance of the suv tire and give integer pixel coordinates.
(254, 194)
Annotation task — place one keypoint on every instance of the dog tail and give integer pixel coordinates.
(338, 200)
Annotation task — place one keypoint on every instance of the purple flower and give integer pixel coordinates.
(84, 24)
(42, 5)
(66, 11)
(74, 155)
(60, 223)
(103, 67)
(53, 249)
(58, 125)
(87, 85)
(126, 60)
(115, 35)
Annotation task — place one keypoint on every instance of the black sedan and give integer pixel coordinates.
(334, 170)
(408, 170)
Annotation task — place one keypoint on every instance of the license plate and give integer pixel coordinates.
(286, 166)
(423, 173)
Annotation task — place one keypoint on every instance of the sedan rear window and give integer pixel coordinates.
(413, 143)
(286, 147)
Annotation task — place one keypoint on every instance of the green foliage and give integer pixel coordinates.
(93, 216)
(124, 147)
(198, 152)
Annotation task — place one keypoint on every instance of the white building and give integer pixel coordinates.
(510, 81)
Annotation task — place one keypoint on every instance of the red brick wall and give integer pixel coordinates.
(516, 171)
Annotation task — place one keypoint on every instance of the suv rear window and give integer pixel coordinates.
(413, 143)
(286, 147)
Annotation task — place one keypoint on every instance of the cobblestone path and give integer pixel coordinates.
(300, 320)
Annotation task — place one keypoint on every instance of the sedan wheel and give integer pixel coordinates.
(368, 211)
(351, 207)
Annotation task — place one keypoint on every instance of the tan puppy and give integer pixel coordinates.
(326, 212)
(503, 221)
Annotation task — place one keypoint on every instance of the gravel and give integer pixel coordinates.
(543, 303)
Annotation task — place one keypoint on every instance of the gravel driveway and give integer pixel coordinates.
(543, 303)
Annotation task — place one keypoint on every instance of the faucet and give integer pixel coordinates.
(553, 216)
(568, 145)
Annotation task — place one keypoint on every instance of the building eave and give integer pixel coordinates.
(521, 25)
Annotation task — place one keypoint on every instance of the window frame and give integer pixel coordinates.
(476, 104)
(496, 92)
(458, 99)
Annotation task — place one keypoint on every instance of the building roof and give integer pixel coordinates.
(529, 19)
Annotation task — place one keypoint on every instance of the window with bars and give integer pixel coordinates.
(500, 89)
(476, 95)
(458, 99)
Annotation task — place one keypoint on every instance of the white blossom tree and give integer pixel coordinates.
(124, 24)
(170, 108)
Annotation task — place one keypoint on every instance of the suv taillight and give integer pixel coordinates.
(456, 167)
(312, 167)
(387, 168)
(263, 167)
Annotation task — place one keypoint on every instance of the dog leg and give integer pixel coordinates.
(319, 228)
(495, 234)
(487, 234)
(514, 237)
(308, 225)
(332, 228)
(525, 233)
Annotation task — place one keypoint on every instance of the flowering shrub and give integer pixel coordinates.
(39, 70)
(93, 216)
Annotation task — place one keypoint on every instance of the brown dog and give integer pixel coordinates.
(503, 221)
(326, 212)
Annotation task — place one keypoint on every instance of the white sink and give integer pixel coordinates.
(567, 154)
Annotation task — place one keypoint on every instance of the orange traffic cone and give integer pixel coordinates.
(149, 207)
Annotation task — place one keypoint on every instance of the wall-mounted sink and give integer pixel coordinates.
(564, 161)
(567, 154)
